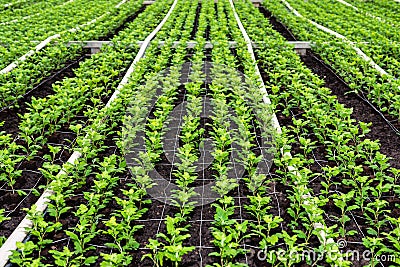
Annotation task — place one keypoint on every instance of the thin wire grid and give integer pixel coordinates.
(337, 191)
(238, 199)
(202, 200)
(201, 245)
(65, 148)
(175, 149)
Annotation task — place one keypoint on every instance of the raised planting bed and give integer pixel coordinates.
(202, 133)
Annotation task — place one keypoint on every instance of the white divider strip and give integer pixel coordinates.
(19, 234)
(140, 54)
(347, 4)
(275, 121)
(29, 53)
(120, 4)
(14, 20)
(357, 9)
(327, 30)
(55, 36)
(29, 16)
(88, 23)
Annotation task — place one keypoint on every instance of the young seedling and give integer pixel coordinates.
(342, 202)
(374, 212)
(330, 173)
(173, 249)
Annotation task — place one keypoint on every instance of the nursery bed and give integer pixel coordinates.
(287, 146)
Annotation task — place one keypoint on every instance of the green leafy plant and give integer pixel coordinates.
(342, 202)
(173, 249)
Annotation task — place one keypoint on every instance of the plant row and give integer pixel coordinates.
(28, 74)
(353, 181)
(81, 95)
(19, 10)
(102, 123)
(18, 38)
(358, 74)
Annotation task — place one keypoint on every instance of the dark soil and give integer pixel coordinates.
(31, 179)
(277, 25)
(196, 23)
(31, 176)
(123, 25)
(362, 111)
(11, 117)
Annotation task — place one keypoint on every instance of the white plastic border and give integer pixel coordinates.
(327, 30)
(357, 9)
(141, 52)
(20, 233)
(44, 43)
(275, 121)
(27, 17)
(29, 53)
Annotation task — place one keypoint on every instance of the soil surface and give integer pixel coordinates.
(200, 224)
(31, 177)
(363, 111)
(124, 24)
